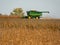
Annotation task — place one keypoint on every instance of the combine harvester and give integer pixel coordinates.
(34, 14)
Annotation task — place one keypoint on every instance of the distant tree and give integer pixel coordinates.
(18, 12)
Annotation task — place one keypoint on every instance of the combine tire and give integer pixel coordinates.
(29, 17)
(37, 18)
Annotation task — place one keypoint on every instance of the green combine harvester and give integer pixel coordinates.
(35, 14)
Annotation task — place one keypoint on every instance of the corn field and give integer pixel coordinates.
(16, 31)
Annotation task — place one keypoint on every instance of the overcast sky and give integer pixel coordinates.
(53, 6)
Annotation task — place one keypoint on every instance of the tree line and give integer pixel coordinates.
(16, 12)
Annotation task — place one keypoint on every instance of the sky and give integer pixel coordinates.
(53, 6)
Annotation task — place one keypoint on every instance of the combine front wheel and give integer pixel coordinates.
(29, 17)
